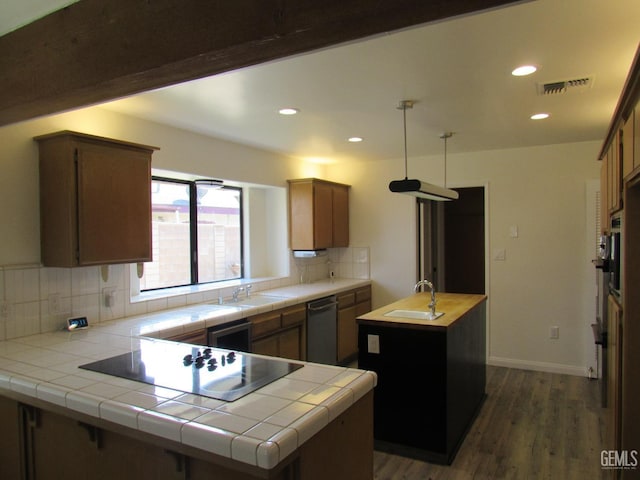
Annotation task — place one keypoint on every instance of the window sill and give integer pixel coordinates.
(214, 290)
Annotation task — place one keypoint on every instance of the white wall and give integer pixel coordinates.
(546, 278)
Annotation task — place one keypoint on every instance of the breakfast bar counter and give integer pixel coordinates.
(78, 423)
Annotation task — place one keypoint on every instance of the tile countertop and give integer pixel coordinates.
(259, 429)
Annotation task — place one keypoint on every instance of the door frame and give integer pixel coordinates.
(487, 248)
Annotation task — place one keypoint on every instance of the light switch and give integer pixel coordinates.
(513, 231)
(373, 343)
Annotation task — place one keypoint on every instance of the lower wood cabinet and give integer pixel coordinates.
(11, 461)
(280, 333)
(37, 444)
(614, 387)
(351, 305)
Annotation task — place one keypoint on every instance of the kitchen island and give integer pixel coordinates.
(431, 373)
(64, 421)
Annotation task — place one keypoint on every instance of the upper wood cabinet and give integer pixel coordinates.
(95, 200)
(318, 214)
(636, 136)
(614, 175)
(627, 150)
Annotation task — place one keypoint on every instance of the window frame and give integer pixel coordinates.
(193, 227)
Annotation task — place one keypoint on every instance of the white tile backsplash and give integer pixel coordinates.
(39, 300)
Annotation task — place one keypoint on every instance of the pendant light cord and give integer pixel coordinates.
(445, 136)
(445, 161)
(404, 116)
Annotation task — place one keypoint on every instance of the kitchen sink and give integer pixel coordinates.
(253, 301)
(414, 314)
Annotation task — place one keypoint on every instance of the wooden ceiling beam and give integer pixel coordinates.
(98, 50)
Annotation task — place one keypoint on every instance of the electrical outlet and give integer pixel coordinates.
(5, 309)
(554, 333)
(109, 297)
(54, 303)
(373, 343)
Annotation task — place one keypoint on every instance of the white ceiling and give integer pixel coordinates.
(458, 72)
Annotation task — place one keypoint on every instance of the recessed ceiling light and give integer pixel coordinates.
(539, 116)
(355, 139)
(524, 70)
(288, 111)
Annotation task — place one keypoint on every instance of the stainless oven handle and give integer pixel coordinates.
(323, 307)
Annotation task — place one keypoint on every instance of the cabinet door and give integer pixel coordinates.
(10, 440)
(114, 205)
(614, 352)
(266, 346)
(340, 216)
(604, 195)
(636, 137)
(323, 215)
(615, 175)
(627, 146)
(347, 333)
(265, 323)
(290, 344)
(61, 448)
(198, 337)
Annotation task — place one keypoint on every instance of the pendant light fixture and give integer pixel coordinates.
(418, 188)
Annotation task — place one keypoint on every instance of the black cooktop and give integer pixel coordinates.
(207, 371)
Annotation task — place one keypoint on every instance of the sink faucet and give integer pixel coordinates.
(235, 293)
(416, 289)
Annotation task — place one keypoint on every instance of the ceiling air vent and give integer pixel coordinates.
(579, 84)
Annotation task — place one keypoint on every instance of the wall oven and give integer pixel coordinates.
(615, 256)
(234, 335)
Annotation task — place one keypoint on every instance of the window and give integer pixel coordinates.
(196, 233)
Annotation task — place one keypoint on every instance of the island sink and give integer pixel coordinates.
(414, 314)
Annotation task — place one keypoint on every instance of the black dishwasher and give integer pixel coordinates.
(322, 330)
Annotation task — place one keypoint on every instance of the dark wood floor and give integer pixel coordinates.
(533, 425)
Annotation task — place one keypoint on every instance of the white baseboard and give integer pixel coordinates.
(538, 366)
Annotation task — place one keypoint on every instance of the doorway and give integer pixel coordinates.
(451, 243)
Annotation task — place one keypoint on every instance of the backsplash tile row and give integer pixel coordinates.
(36, 299)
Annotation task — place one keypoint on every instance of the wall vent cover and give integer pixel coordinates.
(578, 84)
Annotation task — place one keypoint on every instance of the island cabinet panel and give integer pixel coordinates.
(431, 381)
(95, 200)
(318, 214)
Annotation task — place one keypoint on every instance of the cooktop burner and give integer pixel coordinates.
(207, 371)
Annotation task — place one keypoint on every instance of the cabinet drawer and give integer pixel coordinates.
(197, 337)
(363, 308)
(264, 323)
(294, 315)
(346, 300)
(363, 294)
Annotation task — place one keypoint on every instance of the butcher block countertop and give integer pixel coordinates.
(453, 305)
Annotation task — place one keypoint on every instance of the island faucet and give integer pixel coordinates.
(416, 289)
